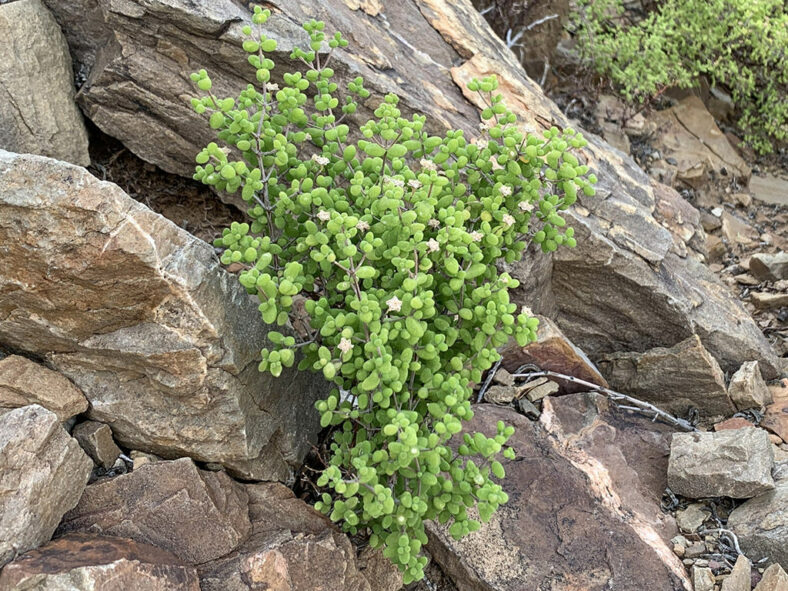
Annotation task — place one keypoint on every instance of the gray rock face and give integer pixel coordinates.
(674, 379)
(142, 318)
(747, 388)
(38, 114)
(24, 382)
(732, 463)
(769, 267)
(96, 439)
(43, 472)
(82, 562)
(196, 515)
(761, 524)
(140, 53)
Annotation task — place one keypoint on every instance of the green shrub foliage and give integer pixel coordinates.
(739, 44)
(390, 241)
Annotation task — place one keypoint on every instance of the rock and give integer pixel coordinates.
(734, 464)
(552, 351)
(623, 253)
(38, 114)
(775, 419)
(96, 440)
(379, 571)
(676, 379)
(694, 550)
(739, 579)
(500, 394)
(526, 407)
(688, 134)
(42, 475)
(24, 382)
(774, 579)
(140, 316)
(761, 524)
(768, 301)
(140, 458)
(702, 579)
(747, 388)
(503, 377)
(82, 562)
(733, 423)
(292, 547)
(769, 267)
(691, 518)
(738, 232)
(681, 219)
(583, 510)
(769, 189)
(171, 505)
(542, 390)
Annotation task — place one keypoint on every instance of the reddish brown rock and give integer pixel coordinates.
(733, 423)
(83, 562)
(196, 515)
(774, 579)
(96, 439)
(24, 382)
(775, 418)
(553, 351)
(583, 510)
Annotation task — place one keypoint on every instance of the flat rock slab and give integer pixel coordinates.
(38, 114)
(139, 314)
(774, 579)
(748, 389)
(24, 382)
(731, 463)
(675, 379)
(84, 562)
(769, 267)
(195, 514)
(769, 189)
(575, 519)
(43, 472)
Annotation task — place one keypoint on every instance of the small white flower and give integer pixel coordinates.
(272, 87)
(323, 215)
(394, 304)
(362, 226)
(392, 181)
(321, 160)
(507, 219)
(482, 144)
(525, 206)
(505, 190)
(527, 311)
(414, 183)
(505, 279)
(476, 236)
(483, 126)
(432, 245)
(434, 223)
(344, 345)
(428, 164)
(225, 150)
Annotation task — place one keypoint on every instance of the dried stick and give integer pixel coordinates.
(631, 403)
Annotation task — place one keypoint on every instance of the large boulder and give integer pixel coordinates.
(24, 382)
(83, 562)
(195, 514)
(139, 54)
(140, 315)
(38, 114)
(583, 510)
(43, 472)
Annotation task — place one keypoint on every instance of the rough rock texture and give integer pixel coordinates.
(38, 114)
(769, 267)
(141, 316)
(739, 579)
(552, 351)
(688, 134)
(583, 509)
(747, 388)
(42, 475)
(774, 579)
(292, 548)
(24, 382)
(681, 219)
(80, 562)
(96, 439)
(139, 54)
(776, 417)
(761, 524)
(732, 463)
(196, 515)
(675, 379)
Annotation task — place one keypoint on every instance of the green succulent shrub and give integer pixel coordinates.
(389, 238)
(739, 44)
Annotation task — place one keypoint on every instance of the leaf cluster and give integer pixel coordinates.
(387, 238)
